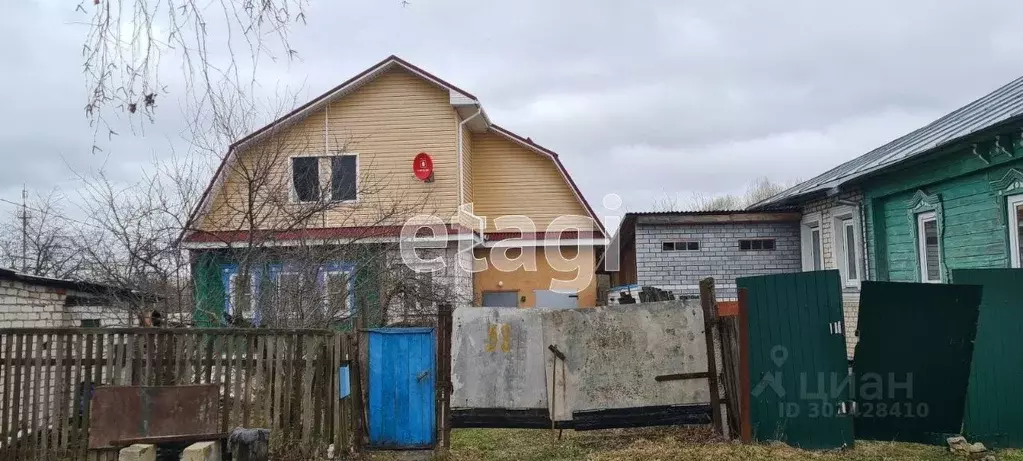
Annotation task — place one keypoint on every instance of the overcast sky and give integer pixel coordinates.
(640, 98)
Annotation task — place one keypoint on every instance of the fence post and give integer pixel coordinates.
(745, 421)
(443, 408)
(357, 394)
(708, 302)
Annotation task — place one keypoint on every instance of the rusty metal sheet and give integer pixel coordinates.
(124, 412)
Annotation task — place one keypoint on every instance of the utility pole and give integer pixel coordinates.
(24, 228)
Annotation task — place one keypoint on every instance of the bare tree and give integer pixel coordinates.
(43, 241)
(129, 236)
(757, 190)
(214, 42)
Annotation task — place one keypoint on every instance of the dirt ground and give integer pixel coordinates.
(658, 444)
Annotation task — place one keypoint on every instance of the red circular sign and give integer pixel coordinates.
(422, 166)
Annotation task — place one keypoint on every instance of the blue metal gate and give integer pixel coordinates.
(402, 374)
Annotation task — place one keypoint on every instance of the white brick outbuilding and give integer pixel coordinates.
(28, 301)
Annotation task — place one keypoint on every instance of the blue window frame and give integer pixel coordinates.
(326, 276)
(229, 276)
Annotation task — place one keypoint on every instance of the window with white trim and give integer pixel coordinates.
(342, 180)
(812, 246)
(336, 293)
(846, 249)
(242, 296)
(1015, 221)
(929, 247)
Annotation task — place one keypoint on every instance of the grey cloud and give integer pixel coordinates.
(640, 100)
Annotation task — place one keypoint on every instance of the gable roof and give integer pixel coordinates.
(464, 102)
(1000, 106)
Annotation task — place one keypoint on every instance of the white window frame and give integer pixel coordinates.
(843, 217)
(232, 292)
(348, 290)
(293, 194)
(921, 237)
(1011, 203)
(807, 225)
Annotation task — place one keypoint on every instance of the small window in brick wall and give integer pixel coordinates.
(680, 246)
(756, 244)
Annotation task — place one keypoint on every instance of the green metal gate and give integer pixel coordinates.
(912, 361)
(994, 401)
(796, 352)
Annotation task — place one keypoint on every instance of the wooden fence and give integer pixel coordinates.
(285, 380)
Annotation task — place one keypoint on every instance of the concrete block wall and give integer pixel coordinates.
(850, 296)
(719, 255)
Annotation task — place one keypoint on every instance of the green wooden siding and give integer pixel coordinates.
(972, 224)
(794, 356)
(994, 403)
(210, 291)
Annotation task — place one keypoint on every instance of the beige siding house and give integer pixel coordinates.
(337, 173)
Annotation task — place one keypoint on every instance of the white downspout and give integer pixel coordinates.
(461, 172)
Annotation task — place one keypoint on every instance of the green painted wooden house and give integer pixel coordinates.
(946, 196)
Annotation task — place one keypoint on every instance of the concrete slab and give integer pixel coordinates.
(137, 452)
(202, 451)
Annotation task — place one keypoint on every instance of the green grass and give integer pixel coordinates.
(662, 444)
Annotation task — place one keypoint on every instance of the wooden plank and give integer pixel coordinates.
(82, 446)
(48, 386)
(447, 327)
(322, 377)
(247, 384)
(207, 371)
(289, 379)
(746, 428)
(8, 389)
(682, 376)
(278, 383)
(708, 301)
(259, 391)
(305, 387)
(66, 398)
(38, 423)
(228, 359)
(358, 416)
(147, 359)
(19, 344)
(337, 435)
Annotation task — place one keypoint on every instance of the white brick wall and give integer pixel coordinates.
(719, 255)
(850, 296)
(31, 306)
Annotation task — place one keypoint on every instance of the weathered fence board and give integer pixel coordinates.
(285, 380)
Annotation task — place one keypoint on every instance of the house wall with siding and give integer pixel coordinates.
(467, 160)
(850, 295)
(512, 180)
(719, 255)
(387, 122)
(973, 222)
(580, 278)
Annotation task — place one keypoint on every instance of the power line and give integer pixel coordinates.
(51, 213)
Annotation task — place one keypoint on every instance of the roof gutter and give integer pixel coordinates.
(461, 170)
